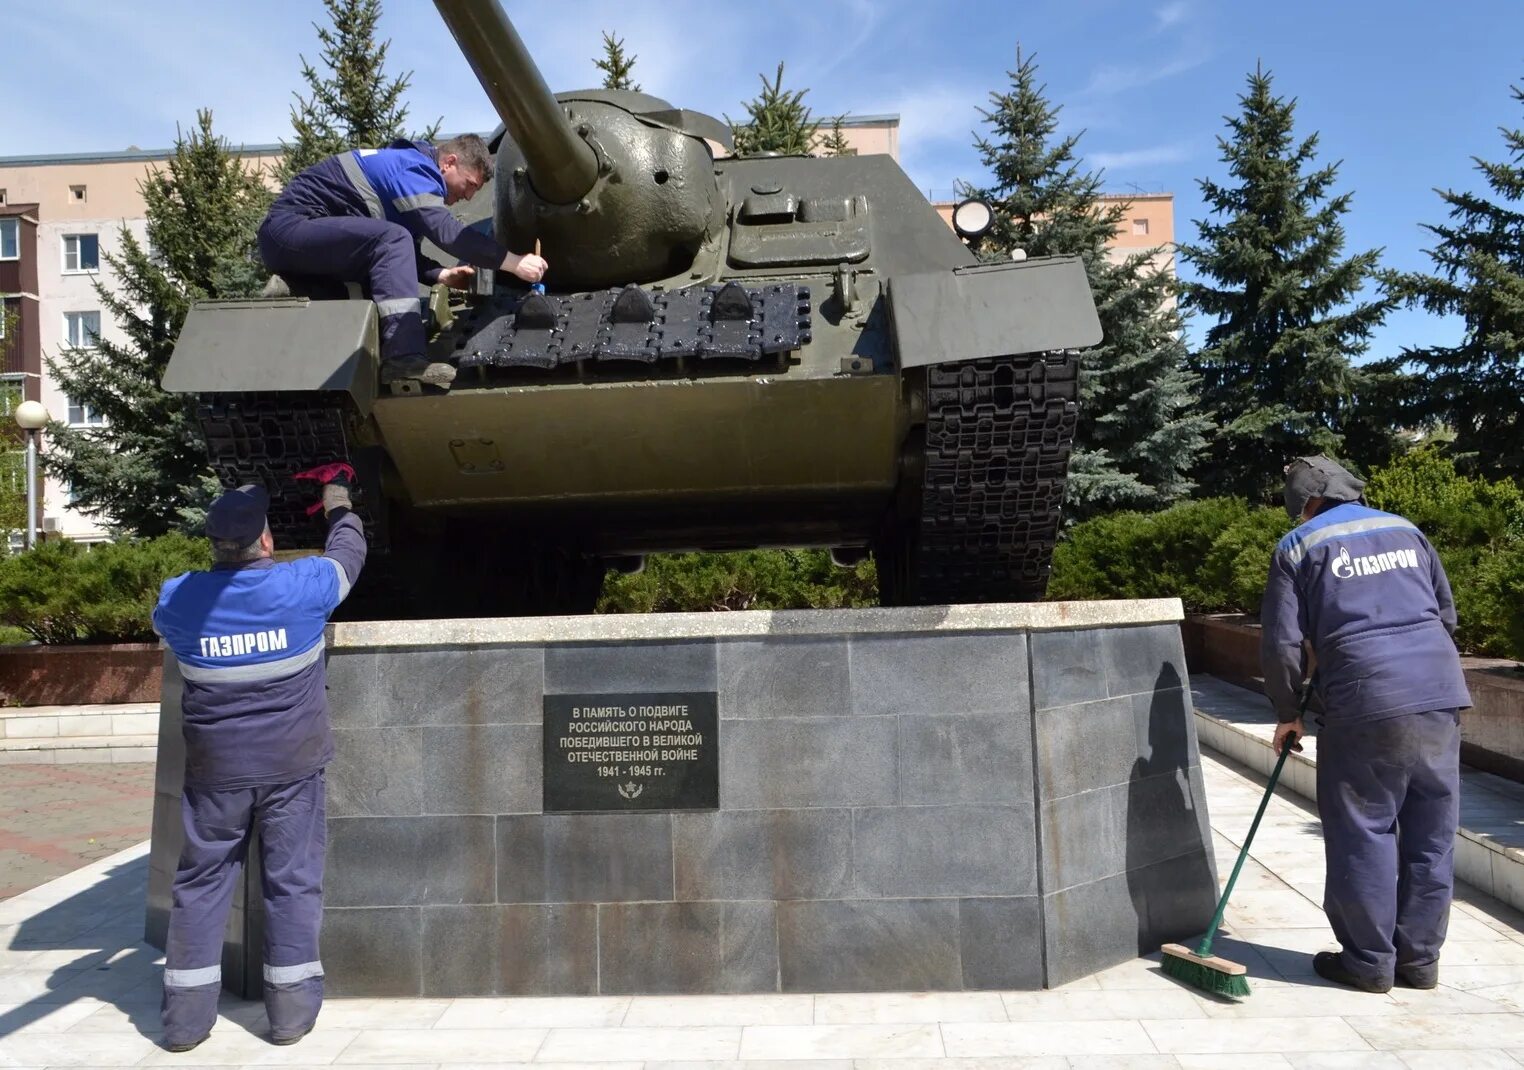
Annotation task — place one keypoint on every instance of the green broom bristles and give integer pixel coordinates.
(1200, 975)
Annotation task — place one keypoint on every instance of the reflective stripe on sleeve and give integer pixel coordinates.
(361, 184)
(264, 670)
(207, 975)
(343, 578)
(418, 200)
(289, 975)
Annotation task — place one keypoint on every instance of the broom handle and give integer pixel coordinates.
(1222, 904)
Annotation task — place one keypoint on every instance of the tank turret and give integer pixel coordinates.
(618, 187)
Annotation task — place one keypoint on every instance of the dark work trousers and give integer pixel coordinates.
(290, 819)
(1389, 797)
(359, 249)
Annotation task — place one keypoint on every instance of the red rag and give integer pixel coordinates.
(324, 473)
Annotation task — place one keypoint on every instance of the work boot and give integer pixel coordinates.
(416, 369)
(1329, 966)
(1423, 977)
(291, 1038)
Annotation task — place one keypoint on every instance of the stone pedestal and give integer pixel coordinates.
(942, 798)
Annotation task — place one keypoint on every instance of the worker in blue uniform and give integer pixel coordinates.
(248, 638)
(1366, 591)
(358, 217)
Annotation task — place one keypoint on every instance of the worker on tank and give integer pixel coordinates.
(1367, 592)
(358, 217)
(248, 639)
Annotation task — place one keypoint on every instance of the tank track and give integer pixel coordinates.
(265, 439)
(998, 436)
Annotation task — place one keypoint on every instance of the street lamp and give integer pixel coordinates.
(31, 417)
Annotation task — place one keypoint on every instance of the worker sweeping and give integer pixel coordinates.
(248, 640)
(1368, 593)
(358, 217)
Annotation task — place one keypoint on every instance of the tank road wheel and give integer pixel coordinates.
(992, 470)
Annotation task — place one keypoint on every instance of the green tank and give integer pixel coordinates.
(733, 352)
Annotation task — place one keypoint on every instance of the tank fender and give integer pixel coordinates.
(991, 310)
(289, 344)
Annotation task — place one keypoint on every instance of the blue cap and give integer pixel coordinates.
(239, 515)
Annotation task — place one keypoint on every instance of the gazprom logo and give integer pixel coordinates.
(236, 646)
(1346, 567)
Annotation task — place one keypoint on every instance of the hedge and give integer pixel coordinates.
(1215, 553)
(63, 592)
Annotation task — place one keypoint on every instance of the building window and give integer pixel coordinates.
(81, 252)
(2, 197)
(82, 330)
(77, 194)
(10, 239)
(1140, 226)
(82, 415)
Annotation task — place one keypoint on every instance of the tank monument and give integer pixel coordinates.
(965, 789)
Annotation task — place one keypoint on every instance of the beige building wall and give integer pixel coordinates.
(63, 292)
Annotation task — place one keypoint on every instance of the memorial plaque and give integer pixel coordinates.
(658, 751)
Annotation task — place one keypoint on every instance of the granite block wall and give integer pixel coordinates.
(1124, 836)
(981, 809)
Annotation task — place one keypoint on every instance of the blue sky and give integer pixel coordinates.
(1403, 92)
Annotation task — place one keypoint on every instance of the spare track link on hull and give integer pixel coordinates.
(998, 436)
(265, 439)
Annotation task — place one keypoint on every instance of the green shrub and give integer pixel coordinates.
(1453, 510)
(1206, 553)
(1215, 554)
(62, 592)
(1238, 563)
(748, 579)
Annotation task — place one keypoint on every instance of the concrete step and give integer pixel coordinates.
(59, 722)
(59, 750)
(1489, 848)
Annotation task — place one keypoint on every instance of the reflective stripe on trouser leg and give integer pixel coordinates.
(211, 863)
(394, 288)
(293, 839)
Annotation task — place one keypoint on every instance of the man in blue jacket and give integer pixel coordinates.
(1367, 592)
(358, 217)
(248, 638)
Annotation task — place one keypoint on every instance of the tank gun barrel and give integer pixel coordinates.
(562, 166)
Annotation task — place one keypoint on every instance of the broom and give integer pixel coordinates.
(1200, 968)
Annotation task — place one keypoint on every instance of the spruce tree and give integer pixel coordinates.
(778, 121)
(354, 105)
(1475, 386)
(1282, 301)
(1139, 427)
(144, 469)
(835, 142)
(617, 68)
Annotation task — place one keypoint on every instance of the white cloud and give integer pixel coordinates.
(1111, 80)
(1151, 156)
(1170, 14)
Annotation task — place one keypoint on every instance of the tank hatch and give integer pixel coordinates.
(775, 228)
(632, 325)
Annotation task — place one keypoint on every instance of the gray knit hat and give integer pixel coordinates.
(1319, 477)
